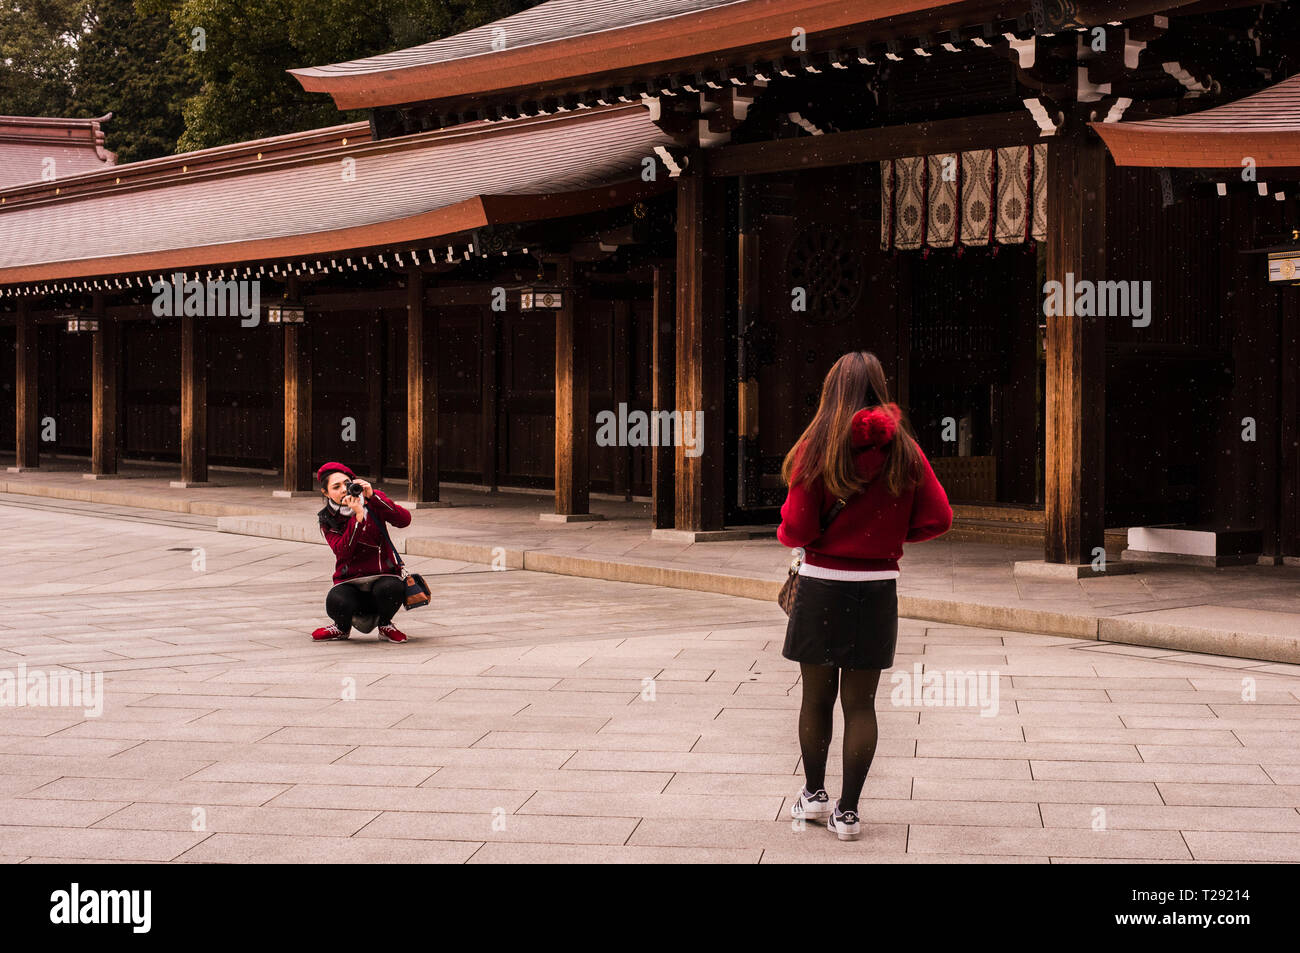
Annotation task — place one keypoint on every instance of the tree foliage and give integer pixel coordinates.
(189, 74)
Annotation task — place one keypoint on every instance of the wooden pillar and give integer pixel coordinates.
(104, 392)
(663, 395)
(488, 404)
(28, 420)
(421, 393)
(194, 400)
(701, 251)
(1076, 365)
(620, 372)
(375, 381)
(298, 472)
(1288, 360)
(572, 385)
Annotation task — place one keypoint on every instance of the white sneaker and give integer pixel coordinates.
(844, 824)
(816, 804)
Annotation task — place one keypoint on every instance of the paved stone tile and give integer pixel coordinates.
(89, 843)
(375, 798)
(1155, 845)
(541, 779)
(177, 792)
(1137, 817)
(497, 853)
(703, 807)
(500, 827)
(51, 812)
(239, 820)
(1235, 846)
(288, 849)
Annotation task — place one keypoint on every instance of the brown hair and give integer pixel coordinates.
(825, 450)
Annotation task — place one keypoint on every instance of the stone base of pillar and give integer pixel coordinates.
(708, 535)
(570, 517)
(294, 494)
(22, 469)
(423, 504)
(1061, 572)
(104, 476)
(192, 484)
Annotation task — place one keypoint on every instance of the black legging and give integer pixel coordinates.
(385, 597)
(857, 691)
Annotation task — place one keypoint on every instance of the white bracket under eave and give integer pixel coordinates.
(669, 160)
(1117, 109)
(1132, 49)
(1047, 126)
(1193, 85)
(805, 124)
(1085, 90)
(1025, 49)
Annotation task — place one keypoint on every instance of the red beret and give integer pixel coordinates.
(330, 468)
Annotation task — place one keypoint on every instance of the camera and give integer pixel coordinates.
(356, 489)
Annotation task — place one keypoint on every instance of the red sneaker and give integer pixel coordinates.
(328, 634)
(391, 633)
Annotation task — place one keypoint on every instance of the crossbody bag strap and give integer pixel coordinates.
(383, 528)
(833, 512)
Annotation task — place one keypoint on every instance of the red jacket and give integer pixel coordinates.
(360, 549)
(870, 531)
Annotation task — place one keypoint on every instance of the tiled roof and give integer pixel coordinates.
(36, 148)
(565, 39)
(1264, 126)
(398, 190)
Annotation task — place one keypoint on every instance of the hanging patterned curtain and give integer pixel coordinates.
(980, 197)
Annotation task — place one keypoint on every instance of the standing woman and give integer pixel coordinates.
(844, 622)
(368, 586)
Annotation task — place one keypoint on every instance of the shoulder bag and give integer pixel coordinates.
(785, 598)
(417, 590)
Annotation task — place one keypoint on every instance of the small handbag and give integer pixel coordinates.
(417, 590)
(785, 598)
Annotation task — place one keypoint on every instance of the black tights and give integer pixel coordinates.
(385, 597)
(857, 692)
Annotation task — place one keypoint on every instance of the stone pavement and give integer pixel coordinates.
(1243, 611)
(544, 717)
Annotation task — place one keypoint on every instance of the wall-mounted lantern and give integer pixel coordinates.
(285, 312)
(541, 299)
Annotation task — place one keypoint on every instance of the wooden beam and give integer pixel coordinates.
(105, 392)
(1076, 365)
(663, 394)
(871, 145)
(572, 470)
(298, 474)
(194, 400)
(421, 393)
(26, 392)
(701, 260)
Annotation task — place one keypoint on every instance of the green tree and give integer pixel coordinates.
(133, 64)
(241, 50)
(38, 51)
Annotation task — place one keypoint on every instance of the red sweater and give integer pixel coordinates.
(870, 531)
(360, 548)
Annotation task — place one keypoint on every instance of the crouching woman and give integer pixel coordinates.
(368, 586)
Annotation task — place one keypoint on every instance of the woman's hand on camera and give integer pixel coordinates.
(370, 490)
(354, 503)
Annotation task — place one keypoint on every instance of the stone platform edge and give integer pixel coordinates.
(251, 521)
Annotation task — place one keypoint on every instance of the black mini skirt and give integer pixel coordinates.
(846, 624)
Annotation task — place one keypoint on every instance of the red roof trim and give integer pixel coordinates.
(461, 217)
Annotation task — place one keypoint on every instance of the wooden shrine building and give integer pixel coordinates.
(610, 206)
